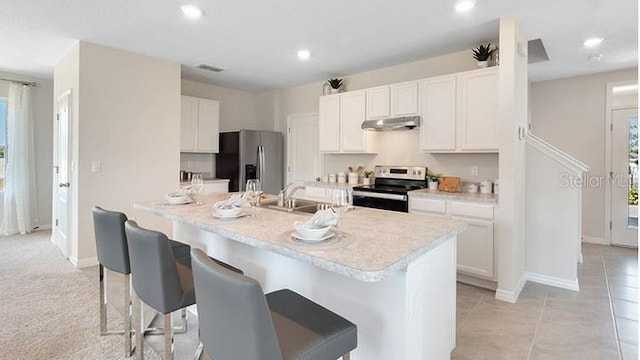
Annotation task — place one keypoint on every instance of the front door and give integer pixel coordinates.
(624, 177)
(61, 175)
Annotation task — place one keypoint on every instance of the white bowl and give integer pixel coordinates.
(232, 211)
(311, 233)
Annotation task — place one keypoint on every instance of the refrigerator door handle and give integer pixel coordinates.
(263, 162)
(259, 167)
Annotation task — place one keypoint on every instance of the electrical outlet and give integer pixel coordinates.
(474, 170)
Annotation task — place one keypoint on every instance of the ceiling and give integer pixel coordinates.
(256, 41)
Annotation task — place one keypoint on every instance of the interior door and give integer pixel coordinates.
(304, 161)
(624, 177)
(62, 174)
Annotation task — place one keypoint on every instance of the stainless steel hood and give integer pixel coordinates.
(398, 123)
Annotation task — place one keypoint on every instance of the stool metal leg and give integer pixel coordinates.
(168, 337)
(139, 326)
(127, 316)
(346, 356)
(103, 302)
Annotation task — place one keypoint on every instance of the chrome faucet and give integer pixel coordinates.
(288, 192)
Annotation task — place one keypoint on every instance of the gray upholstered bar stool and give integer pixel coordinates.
(113, 254)
(162, 278)
(237, 321)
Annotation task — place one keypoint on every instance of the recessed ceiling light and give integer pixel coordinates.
(592, 42)
(304, 54)
(465, 5)
(191, 11)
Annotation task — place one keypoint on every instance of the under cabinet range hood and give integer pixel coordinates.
(397, 123)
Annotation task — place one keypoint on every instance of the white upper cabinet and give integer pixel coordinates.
(478, 110)
(378, 103)
(459, 112)
(329, 124)
(392, 101)
(199, 125)
(352, 114)
(188, 124)
(340, 124)
(438, 103)
(404, 99)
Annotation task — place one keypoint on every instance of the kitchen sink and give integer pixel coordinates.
(297, 205)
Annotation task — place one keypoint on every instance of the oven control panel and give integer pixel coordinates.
(400, 172)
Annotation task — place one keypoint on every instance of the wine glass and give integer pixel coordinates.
(197, 186)
(339, 200)
(253, 192)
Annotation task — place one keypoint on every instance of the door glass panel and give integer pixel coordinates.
(633, 172)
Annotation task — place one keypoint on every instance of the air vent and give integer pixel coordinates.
(537, 53)
(209, 67)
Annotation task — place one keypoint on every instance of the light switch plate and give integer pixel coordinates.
(96, 166)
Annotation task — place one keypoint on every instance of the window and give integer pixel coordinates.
(3, 138)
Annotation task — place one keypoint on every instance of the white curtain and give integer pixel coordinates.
(19, 207)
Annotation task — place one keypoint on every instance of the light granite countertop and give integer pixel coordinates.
(435, 194)
(371, 245)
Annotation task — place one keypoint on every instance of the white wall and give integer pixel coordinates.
(512, 115)
(570, 114)
(42, 98)
(129, 111)
(399, 147)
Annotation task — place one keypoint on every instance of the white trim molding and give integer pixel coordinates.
(562, 158)
(511, 296)
(594, 240)
(552, 281)
(83, 263)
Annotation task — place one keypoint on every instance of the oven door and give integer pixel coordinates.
(393, 202)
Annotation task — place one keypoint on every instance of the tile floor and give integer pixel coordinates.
(599, 322)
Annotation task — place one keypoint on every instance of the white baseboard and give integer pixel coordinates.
(553, 281)
(44, 227)
(594, 240)
(83, 263)
(512, 295)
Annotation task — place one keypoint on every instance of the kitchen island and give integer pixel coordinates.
(392, 274)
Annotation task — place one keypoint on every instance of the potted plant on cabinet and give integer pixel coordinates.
(433, 180)
(366, 180)
(482, 53)
(336, 85)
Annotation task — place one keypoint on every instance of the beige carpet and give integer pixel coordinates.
(48, 309)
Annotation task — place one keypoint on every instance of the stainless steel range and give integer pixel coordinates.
(392, 183)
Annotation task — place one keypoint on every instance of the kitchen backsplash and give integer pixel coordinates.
(401, 148)
(202, 163)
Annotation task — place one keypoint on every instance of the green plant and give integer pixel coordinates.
(335, 83)
(433, 177)
(633, 196)
(483, 52)
(367, 173)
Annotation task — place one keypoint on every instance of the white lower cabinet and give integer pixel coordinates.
(476, 244)
(216, 187)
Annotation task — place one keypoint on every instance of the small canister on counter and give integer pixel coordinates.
(486, 187)
(496, 186)
(332, 178)
(342, 177)
(325, 178)
(353, 178)
(472, 188)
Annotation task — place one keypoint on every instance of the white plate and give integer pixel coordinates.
(222, 217)
(178, 202)
(299, 237)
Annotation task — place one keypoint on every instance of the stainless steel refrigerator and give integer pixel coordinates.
(251, 154)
